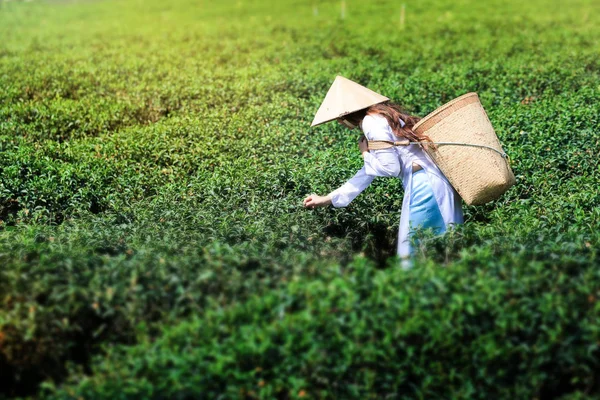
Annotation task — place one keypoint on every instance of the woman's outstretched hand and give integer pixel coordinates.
(314, 201)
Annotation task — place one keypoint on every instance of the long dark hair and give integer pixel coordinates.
(392, 113)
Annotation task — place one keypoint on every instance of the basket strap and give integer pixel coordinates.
(387, 144)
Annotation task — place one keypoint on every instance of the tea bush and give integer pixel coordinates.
(492, 332)
(153, 161)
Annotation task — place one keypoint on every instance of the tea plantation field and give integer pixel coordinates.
(154, 156)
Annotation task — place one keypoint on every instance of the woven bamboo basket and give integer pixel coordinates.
(468, 151)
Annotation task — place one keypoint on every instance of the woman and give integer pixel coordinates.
(429, 199)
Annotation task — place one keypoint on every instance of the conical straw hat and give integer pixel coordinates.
(345, 97)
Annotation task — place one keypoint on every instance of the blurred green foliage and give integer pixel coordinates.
(153, 161)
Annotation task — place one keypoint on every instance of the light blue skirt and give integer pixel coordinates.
(424, 210)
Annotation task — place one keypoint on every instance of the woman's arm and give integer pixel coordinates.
(379, 162)
(343, 195)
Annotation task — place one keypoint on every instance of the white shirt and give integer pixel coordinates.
(397, 162)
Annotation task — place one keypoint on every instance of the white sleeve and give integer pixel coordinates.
(380, 162)
(343, 195)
